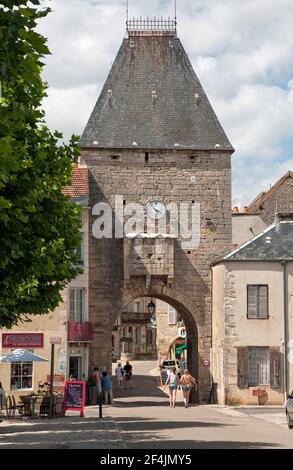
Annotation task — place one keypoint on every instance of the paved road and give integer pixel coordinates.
(141, 418)
(146, 421)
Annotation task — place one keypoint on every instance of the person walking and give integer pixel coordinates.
(173, 382)
(97, 388)
(187, 381)
(107, 388)
(128, 375)
(119, 373)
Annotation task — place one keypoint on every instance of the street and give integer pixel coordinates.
(141, 419)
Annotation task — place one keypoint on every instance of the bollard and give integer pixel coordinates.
(100, 406)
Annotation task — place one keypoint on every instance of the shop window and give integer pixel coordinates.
(75, 367)
(21, 375)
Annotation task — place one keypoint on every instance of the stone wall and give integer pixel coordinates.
(171, 176)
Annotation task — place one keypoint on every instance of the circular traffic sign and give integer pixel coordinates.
(206, 362)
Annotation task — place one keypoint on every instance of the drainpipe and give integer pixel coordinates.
(285, 295)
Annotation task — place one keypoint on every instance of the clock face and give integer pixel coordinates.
(156, 209)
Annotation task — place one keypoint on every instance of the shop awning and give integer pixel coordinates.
(180, 348)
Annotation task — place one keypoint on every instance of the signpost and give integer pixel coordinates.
(74, 396)
(53, 341)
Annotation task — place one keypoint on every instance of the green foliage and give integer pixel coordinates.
(39, 228)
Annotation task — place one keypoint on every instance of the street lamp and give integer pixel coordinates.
(151, 308)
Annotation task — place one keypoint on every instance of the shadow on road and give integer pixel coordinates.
(132, 424)
(196, 444)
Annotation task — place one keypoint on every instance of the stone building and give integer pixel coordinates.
(69, 322)
(154, 139)
(171, 334)
(134, 332)
(253, 319)
(278, 199)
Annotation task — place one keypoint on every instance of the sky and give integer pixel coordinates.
(241, 50)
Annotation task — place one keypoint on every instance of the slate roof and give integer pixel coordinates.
(79, 183)
(273, 244)
(152, 97)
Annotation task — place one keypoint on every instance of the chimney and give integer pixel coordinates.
(245, 210)
(235, 210)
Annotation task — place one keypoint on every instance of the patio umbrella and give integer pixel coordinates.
(21, 355)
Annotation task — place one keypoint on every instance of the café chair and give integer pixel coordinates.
(13, 406)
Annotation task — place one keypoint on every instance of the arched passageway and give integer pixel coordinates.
(163, 339)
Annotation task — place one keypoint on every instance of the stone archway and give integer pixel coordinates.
(132, 293)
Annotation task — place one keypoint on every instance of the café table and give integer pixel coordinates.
(32, 401)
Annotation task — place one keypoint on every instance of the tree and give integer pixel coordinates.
(39, 227)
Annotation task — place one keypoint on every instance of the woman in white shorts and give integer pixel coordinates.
(119, 375)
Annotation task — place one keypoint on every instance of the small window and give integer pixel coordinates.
(146, 157)
(172, 315)
(115, 157)
(79, 251)
(257, 302)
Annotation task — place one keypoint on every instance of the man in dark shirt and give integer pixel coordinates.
(128, 375)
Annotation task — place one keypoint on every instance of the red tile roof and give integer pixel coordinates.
(79, 184)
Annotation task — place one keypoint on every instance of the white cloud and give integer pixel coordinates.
(241, 51)
(68, 110)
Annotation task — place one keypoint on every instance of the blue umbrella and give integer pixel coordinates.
(21, 355)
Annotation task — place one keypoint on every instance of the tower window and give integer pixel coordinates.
(146, 157)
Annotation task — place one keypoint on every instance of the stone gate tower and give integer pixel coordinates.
(153, 136)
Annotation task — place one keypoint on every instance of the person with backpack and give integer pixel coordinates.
(97, 388)
(119, 373)
(187, 381)
(173, 382)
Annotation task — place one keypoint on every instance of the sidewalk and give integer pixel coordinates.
(70, 432)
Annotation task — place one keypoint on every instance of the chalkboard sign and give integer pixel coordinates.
(74, 396)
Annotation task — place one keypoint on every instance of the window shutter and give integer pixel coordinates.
(172, 315)
(263, 302)
(242, 368)
(276, 373)
(252, 299)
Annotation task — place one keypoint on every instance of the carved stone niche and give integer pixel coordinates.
(148, 255)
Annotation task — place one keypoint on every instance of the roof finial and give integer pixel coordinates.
(126, 14)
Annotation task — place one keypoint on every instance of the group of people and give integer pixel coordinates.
(103, 385)
(186, 381)
(124, 376)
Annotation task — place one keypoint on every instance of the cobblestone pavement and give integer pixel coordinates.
(142, 418)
